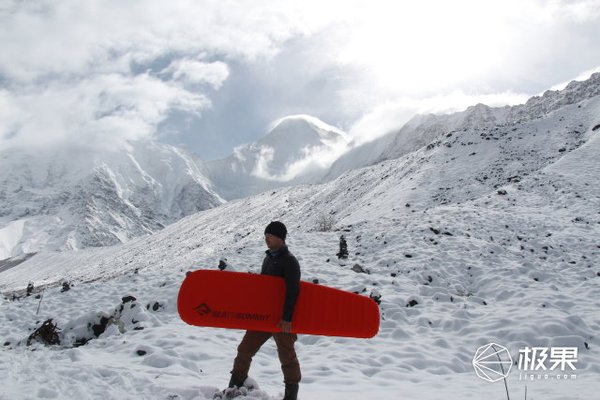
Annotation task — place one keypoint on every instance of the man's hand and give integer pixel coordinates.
(285, 326)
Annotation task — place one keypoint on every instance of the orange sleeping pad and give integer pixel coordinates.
(238, 300)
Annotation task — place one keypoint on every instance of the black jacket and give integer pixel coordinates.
(284, 264)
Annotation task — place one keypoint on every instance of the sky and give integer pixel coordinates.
(212, 75)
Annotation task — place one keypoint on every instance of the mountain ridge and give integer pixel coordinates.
(63, 200)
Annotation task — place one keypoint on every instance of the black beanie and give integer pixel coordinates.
(276, 228)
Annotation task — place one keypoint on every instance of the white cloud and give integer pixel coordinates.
(315, 160)
(264, 158)
(104, 111)
(581, 77)
(392, 115)
(101, 69)
(198, 72)
(90, 71)
(69, 36)
(311, 161)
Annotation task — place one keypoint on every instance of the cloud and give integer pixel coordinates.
(198, 72)
(104, 111)
(107, 71)
(104, 72)
(68, 36)
(581, 77)
(392, 115)
(312, 163)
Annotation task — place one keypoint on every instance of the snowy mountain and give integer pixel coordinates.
(61, 199)
(297, 149)
(422, 129)
(485, 234)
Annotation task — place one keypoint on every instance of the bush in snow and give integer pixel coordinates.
(47, 333)
(325, 223)
(376, 296)
(129, 315)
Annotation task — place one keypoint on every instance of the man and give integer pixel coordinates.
(278, 262)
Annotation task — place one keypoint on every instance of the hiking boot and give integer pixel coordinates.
(291, 391)
(235, 388)
(235, 382)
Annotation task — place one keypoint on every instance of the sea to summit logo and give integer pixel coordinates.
(205, 311)
(492, 362)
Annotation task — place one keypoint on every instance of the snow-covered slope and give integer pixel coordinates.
(487, 234)
(422, 129)
(60, 199)
(298, 149)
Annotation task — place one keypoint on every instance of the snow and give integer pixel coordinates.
(489, 234)
(10, 235)
(67, 199)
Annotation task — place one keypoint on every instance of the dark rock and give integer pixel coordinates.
(127, 299)
(436, 231)
(412, 303)
(502, 192)
(359, 269)
(154, 305)
(65, 287)
(80, 342)
(99, 328)
(141, 352)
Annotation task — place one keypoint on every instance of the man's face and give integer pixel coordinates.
(273, 242)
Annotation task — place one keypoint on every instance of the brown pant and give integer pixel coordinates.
(254, 340)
